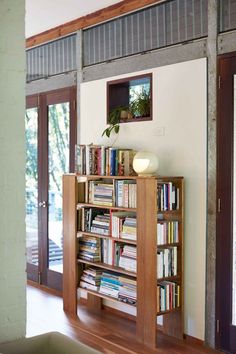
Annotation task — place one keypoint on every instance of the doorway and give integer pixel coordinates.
(50, 128)
(226, 216)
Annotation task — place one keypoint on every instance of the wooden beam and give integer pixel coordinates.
(94, 18)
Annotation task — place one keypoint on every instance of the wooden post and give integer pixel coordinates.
(70, 267)
(147, 260)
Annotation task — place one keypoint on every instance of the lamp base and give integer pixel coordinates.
(146, 174)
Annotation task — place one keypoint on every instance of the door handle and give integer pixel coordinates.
(43, 204)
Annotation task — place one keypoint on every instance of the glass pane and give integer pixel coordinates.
(58, 164)
(31, 193)
(234, 218)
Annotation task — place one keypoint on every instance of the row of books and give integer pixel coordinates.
(124, 288)
(121, 193)
(126, 193)
(115, 224)
(167, 232)
(124, 225)
(168, 296)
(167, 262)
(106, 251)
(112, 284)
(100, 160)
(167, 196)
(118, 254)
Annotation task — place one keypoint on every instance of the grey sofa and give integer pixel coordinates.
(50, 343)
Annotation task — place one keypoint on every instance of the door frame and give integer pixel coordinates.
(224, 202)
(46, 276)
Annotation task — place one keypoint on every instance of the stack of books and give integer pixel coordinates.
(128, 258)
(117, 221)
(129, 228)
(101, 160)
(167, 196)
(89, 249)
(128, 290)
(168, 296)
(91, 279)
(126, 193)
(101, 193)
(95, 220)
(167, 262)
(110, 284)
(167, 232)
(101, 224)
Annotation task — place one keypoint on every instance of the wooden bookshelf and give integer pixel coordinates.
(147, 214)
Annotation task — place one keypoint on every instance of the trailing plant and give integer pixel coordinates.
(114, 120)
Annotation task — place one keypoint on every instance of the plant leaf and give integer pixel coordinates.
(117, 128)
(108, 132)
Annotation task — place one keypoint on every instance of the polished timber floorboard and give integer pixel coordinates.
(103, 331)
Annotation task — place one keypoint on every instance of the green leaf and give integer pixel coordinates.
(108, 132)
(117, 128)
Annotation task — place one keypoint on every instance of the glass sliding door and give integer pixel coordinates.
(52, 156)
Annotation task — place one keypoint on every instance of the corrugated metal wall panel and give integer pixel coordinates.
(51, 59)
(227, 15)
(158, 26)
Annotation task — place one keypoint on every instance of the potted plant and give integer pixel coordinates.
(141, 103)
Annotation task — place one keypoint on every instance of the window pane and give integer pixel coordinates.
(31, 194)
(58, 164)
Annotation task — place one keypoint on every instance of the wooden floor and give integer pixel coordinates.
(103, 331)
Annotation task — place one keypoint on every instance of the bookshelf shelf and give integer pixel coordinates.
(172, 278)
(115, 239)
(92, 177)
(106, 297)
(89, 205)
(108, 267)
(161, 313)
(167, 245)
(82, 242)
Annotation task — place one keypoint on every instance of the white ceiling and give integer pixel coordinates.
(42, 15)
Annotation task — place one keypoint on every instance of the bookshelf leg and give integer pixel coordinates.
(94, 302)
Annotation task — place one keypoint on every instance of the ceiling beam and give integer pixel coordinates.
(94, 18)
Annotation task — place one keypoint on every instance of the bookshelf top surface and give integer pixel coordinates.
(159, 178)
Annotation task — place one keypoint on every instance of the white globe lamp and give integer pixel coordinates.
(145, 163)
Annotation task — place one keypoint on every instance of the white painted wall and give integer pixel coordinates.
(179, 107)
(12, 174)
